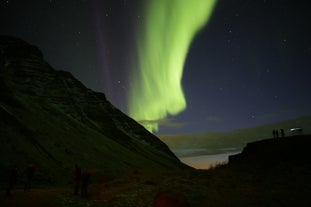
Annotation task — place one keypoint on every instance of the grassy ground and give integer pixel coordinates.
(222, 186)
(269, 173)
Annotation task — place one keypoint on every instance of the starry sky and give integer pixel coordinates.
(249, 65)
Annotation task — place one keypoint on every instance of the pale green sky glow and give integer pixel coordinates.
(163, 42)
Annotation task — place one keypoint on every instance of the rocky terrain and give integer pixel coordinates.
(47, 117)
(272, 172)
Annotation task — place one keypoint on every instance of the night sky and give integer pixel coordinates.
(249, 65)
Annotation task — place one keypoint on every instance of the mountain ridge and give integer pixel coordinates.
(50, 118)
(268, 153)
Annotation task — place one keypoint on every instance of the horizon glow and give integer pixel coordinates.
(163, 42)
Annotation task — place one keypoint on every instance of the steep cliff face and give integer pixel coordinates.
(50, 118)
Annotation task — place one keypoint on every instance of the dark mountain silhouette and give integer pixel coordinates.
(286, 152)
(49, 118)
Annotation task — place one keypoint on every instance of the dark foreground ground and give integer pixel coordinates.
(201, 188)
(284, 183)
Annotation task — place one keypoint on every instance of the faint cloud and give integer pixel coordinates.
(169, 123)
(215, 119)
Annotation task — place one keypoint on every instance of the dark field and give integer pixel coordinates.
(218, 187)
(272, 183)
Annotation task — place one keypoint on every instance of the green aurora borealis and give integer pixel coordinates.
(163, 42)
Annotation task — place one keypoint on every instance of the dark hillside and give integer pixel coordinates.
(49, 118)
(274, 173)
(287, 151)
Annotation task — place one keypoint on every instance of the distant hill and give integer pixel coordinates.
(49, 118)
(269, 172)
(232, 141)
(270, 153)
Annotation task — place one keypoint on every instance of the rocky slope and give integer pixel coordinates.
(49, 118)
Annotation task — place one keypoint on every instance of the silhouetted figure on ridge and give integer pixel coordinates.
(274, 134)
(30, 172)
(282, 133)
(76, 180)
(12, 179)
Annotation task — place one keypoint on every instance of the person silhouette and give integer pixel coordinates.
(85, 180)
(273, 132)
(282, 133)
(30, 172)
(276, 133)
(12, 179)
(76, 179)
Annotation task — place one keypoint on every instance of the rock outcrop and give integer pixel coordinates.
(266, 154)
(49, 118)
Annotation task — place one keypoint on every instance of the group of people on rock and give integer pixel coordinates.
(13, 174)
(81, 181)
(276, 133)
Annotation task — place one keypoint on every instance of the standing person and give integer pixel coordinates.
(85, 180)
(76, 180)
(282, 133)
(276, 133)
(273, 132)
(30, 172)
(12, 179)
